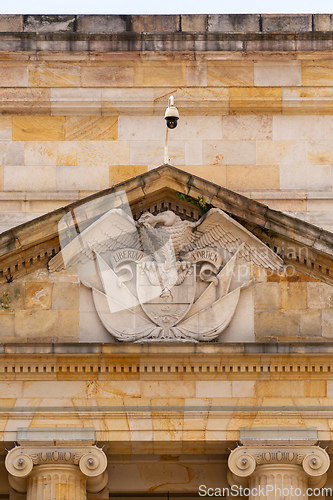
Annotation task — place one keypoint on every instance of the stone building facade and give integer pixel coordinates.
(82, 100)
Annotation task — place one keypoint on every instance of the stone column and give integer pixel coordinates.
(57, 472)
(278, 472)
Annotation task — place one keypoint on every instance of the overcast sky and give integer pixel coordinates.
(166, 7)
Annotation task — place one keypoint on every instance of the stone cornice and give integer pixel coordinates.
(111, 362)
(233, 32)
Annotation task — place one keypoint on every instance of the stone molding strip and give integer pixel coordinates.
(101, 101)
(166, 364)
(174, 349)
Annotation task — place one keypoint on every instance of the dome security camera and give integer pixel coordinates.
(171, 114)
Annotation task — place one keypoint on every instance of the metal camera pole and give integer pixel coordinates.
(166, 153)
(171, 117)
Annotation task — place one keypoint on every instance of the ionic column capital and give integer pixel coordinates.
(90, 460)
(313, 460)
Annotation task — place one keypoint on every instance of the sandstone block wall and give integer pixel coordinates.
(82, 100)
(284, 307)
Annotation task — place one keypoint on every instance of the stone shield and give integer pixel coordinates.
(164, 301)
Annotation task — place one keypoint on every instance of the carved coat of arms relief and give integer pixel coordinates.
(162, 278)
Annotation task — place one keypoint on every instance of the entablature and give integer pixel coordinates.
(215, 361)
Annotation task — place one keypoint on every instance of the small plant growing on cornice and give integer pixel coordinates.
(199, 202)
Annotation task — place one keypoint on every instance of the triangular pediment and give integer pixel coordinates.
(306, 247)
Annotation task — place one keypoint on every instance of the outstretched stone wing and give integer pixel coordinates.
(115, 229)
(216, 229)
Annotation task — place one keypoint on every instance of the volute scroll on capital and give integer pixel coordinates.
(90, 460)
(313, 460)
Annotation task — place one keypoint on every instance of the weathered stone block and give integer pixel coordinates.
(114, 389)
(248, 128)
(287, 23)
(310, 324)
(67, 326)
(156, 23)
(22, 178)
(7, 328)
(233, 23)
(122, 173)
(230, 73)
(56, 388)
(245, 177)
(41, 153)
(38, 128)
(293, 295)
(159, 73)
(81, 177)
(81, 128)
(280, 152)
(111, 75)
(267, 296)
(54, 74)
(322, 22)
(5, 128)
(101, 24)
(11, 23)
(194, 23)
(174, 389)
(258, 100)
(229, 152)
(320, 296)
(302, 176)
(317, 73)
(274, 324)
(11, 153)
(320, 152)
(35, 323)
(151, 153)
(291, 388)
(276, 74)
(13, 74)
(48, 23)
(196, 74)
(67, 153)
(65, 296)
(327, 323)
(102, 153)
(10, 389)
(193, 152)
(240, 388)
(142, 128)
(309, 127)
(38, 295)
